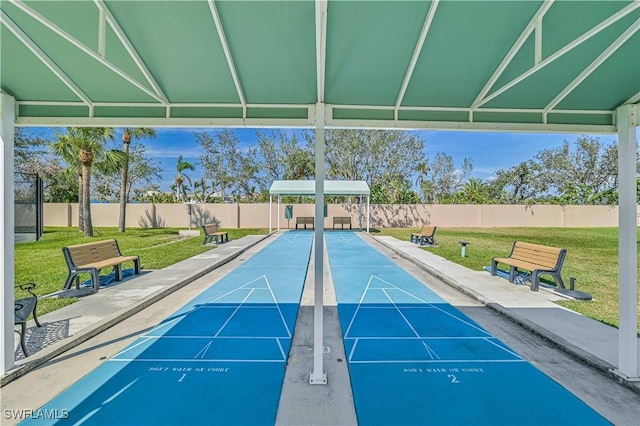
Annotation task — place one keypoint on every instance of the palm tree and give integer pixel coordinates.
(127, 135)
(85, 146)
(181, 177)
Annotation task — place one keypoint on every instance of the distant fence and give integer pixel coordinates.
(382, 215)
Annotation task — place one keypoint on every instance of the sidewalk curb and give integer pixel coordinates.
(86, 334)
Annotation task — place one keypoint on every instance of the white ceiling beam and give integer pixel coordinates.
(633, 28)
(537, 56)
(634, 99)
(416, 54)
(115, 26)
(476, 126)
(164, 122)
(50, 25)
(513, 51)
(322, 8)
(584, 37)
(33, 47)
(102, 36)
(227, 55)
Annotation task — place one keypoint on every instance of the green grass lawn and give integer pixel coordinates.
(42, 262)
(592, 258)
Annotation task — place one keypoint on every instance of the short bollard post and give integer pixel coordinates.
(463, 251)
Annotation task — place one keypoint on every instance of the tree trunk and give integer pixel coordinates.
(80, 202)
(126, 139)
(86, 159)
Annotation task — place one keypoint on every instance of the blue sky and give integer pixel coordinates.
(488, 151)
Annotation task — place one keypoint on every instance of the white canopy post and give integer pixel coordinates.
(278, 212)
(7, 119)
(270, 201)
(318, 376)
(628, 121)
(368, 211)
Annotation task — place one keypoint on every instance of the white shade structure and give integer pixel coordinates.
(308, 188)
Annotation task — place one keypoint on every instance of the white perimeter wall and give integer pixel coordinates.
(382, 216)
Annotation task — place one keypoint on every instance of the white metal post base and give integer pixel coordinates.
(624, 376)
(318, 379)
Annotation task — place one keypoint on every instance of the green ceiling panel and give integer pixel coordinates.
(521, 62)
(205, 112)
(116, 54)
(293, 113)
(539, 89)
(456, 116)
(81, 68)
(506, 117)
(362, 114)
(181, 48)
(567, 20)
(32, 80)
(53, 111)
(273, 47)
(460, 53)
(82, 24)
(585, 119)
(369, 48)
(129, 111)
(601, 89)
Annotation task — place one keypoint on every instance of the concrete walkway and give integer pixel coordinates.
(79, 337)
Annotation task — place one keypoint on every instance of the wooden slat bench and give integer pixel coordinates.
(426, 235)
(92, 257)
(304, 221)
(213, 234)
(538, 259)
(23, 308)
(342, 221)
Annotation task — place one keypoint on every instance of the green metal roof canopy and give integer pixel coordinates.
(513, 65)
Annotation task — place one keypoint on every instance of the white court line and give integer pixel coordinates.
(218, 337)
(355, 314)
(233, 313)
(401, 314)
(433, 306)
(273, 296)
(353, 349)
(430, 351)
(442, 361)
(142, 340)
(422, 338)
(503, 348)
(198, 361)
(204, 350)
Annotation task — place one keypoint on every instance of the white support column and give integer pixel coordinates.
(318, 376)
(628, 121)
(368, 211)
(7, 120)
(278, 212)
(270, 201)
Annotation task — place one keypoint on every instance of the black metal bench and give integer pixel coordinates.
(536, 258)
(342, 221)
(92, 257)
(304, 221)
(213, 233)
(24, 308)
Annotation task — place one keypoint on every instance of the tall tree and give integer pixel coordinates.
(127, 136)
(443, 180)
(582, 175)
(181, 177)
(226, 165)
(372, 155)
(88, 145)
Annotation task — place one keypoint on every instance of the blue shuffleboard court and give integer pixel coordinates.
(416, 360)
(220, 359)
